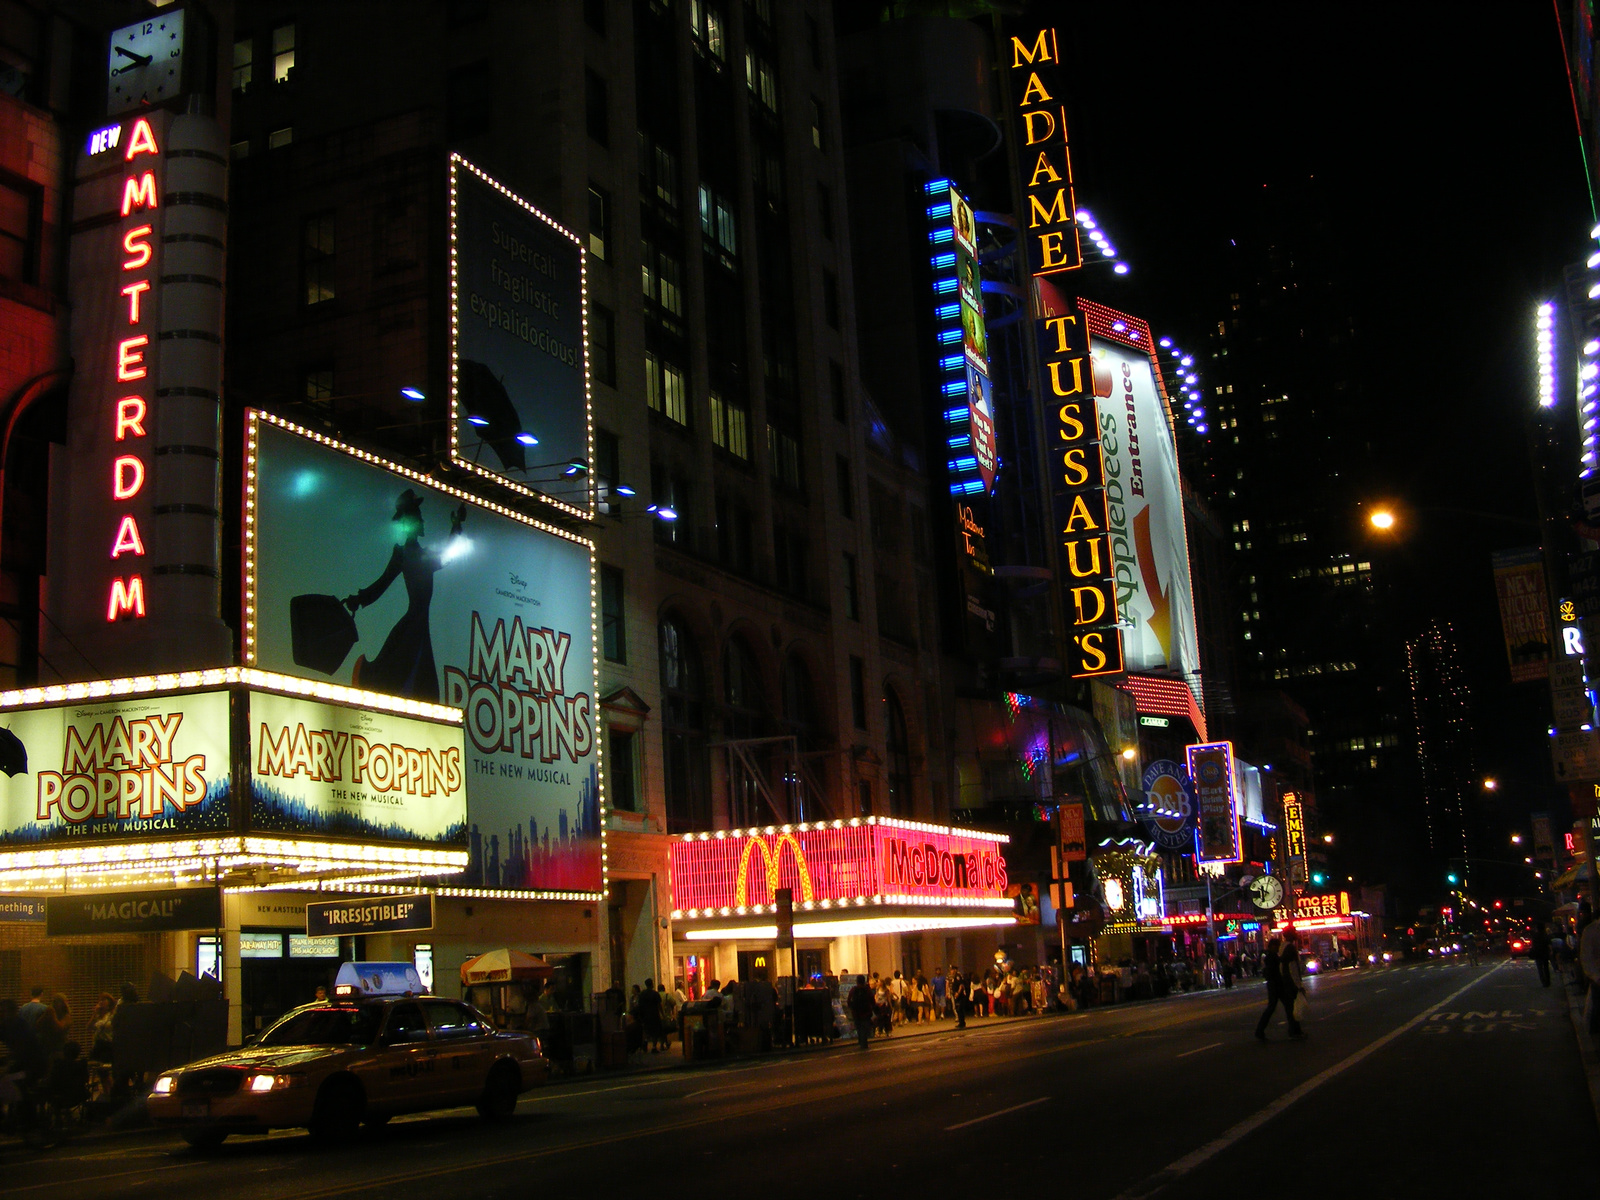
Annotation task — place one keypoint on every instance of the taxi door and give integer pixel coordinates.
(403, 1076)
(463, 1047)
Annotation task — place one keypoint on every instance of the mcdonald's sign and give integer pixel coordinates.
(876, 860)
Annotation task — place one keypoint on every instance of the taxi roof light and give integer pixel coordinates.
(378, 979)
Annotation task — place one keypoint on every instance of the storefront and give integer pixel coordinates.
(872, 894)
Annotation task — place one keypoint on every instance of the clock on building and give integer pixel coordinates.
(145, 63)
(1266, 892)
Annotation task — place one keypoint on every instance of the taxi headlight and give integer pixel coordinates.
(270, 1083)
(165, 1086)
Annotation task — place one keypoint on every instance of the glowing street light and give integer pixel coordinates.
(1490, 784)
(1382, 519)
(1516, 839)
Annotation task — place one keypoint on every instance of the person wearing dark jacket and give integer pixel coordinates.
(862, 1007)
(1272, 972)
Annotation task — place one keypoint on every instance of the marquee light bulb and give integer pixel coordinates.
(1120, 269)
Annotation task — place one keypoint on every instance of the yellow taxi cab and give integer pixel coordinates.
(379, 1048)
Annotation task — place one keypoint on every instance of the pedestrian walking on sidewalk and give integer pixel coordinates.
(1541, 952)
(957, 983)
(863, 1009)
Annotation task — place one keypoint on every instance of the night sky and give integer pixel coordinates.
(1448, 143)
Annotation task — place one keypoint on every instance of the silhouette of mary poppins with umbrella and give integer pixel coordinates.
(404, 667)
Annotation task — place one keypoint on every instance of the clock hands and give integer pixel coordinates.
(139, 60)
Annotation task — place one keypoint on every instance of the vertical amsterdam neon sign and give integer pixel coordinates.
(130, 408)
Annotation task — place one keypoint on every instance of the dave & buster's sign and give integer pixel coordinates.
(836, 863)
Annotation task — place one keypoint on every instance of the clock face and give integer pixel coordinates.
(145, 63)
(1266, 891)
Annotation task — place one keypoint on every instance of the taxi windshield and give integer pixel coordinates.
(331, 1026)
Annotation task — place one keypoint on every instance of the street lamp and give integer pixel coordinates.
(1516, 839)
(1490, 785)
(1328, 838)
(1382, 519)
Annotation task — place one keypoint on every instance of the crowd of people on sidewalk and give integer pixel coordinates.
(42, 1051)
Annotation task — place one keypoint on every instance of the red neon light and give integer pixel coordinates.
(143, 141)
(1165, 697)
(127, 598)
(127, 477)
(133, 242)
(130, 416)
(130, 358)
(834, 864)
(139, 192)
(128, 540)
(132, 292)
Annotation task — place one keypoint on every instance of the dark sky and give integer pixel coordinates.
(1446, 138)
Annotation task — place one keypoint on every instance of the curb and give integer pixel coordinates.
(1586, 1049)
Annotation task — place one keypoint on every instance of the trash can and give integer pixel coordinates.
(700, 1025)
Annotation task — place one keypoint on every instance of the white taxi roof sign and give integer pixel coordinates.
(378, 979)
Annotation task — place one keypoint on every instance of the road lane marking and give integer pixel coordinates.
(1342, 1003)
(1001, 1113)
(1181, 1167)
(1186, 1053)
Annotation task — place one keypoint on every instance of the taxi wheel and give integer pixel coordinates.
(341, 1104)
(205, 1139)
(499, 1098)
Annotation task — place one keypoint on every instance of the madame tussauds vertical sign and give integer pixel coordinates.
(376, 578)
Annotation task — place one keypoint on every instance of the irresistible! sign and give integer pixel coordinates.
(380, 579)
(369, 914)
(320, 769)
(123, 770)
(157, 911)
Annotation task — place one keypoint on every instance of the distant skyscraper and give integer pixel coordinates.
(1441, 709)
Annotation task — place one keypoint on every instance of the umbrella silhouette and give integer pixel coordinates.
(13, 754)
(484, 397)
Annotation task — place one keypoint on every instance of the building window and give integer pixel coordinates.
(594, 15)
(825, 210)
(683, 731)
(317, 257)
(613, 627)
(841, 403)
(282, 53)
(599, 222)
(783, 457)
(847, 491)
(790, 549)
(858, 692)
(830, 298)
(898, 744)
(670, 493)
(864, 797)
(661, 278)
(596, 107)
(761, 80)
(665, 389)
(244, 54)
(730, 426)
(705, 24)
(279, 138)
(816, 124)
(239, 149)
(852, 589)
(743, 692)
(664, 174)
(19, 238)
(734, 544)
(603, 344)
(718, 223)
(318, 390)
(622, 761)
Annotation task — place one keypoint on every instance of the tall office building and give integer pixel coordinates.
(1441, 706)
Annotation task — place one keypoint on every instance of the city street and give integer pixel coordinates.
(1418, 1080)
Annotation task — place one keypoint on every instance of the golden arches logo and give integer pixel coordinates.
(771, 855)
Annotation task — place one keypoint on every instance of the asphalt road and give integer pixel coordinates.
(1416, 1081)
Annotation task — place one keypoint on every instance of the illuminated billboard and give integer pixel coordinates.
(1078, 499)
(135, 769)
(838, 864)
(959, 323)
(519, 365)
(1038, 91)
(1294, 831)
(1212, 775)
(324, 770)
(370, 575)
(1144, 498)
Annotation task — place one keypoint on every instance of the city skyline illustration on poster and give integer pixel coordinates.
(424, 595)
(1144, 504)
(520, 369)
(146, 767)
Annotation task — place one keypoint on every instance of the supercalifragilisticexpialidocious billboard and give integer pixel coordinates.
(963, 339)
(371, 576)
(519, 359)
(1144, 498)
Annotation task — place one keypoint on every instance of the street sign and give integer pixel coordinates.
(1569, 695)
(1073, 847)
(1583, 570)
(1576, 755)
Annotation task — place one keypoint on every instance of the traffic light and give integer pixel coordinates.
(1452, 879)
(1318, 878)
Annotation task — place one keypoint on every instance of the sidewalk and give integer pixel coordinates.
(1588, 1049)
